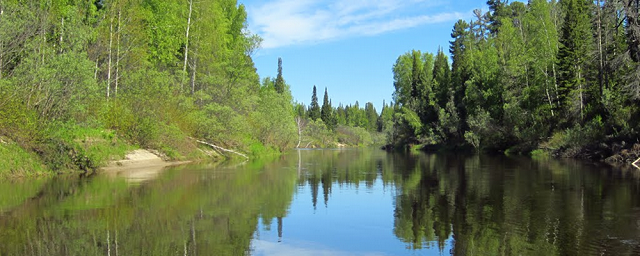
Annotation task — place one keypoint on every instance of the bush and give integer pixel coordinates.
(353, 136)
(69, 146)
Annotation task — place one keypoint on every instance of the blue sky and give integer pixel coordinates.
(348, 46)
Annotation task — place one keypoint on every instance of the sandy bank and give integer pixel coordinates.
(138, 165)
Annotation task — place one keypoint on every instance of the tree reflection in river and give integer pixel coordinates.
(463, 205)
(185, 211)
(491, 205)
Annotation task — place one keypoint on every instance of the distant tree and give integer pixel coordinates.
(300, 109)
(279, 85)
(372, 116)
(326, 114)
(314, 108)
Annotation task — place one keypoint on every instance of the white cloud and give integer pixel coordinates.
(293, 22)
(261, 247)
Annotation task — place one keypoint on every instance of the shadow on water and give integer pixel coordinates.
(450, 204)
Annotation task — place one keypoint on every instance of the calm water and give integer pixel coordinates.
(331, 202)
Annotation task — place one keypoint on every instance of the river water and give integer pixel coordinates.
(331, 202)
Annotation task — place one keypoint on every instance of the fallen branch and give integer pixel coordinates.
(221, 148)
(635, 163)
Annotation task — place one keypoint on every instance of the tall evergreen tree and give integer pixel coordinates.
(279, 85)
(574, 58)
(442, 77)
(314, 108)
(326, 114)
(460, 67)
(372, 116)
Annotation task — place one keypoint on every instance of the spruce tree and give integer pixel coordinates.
(279, 85)
(442, 77)
(326, 114)
(314, 108)
(574, 57)
(460, 67)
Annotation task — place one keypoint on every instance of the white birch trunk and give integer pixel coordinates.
(186, 47)
(600, 54)
(581, 94)
(1, 56)
(117, 77)
(109, 61)
(1, 43)
(194, 69)
(61, 32)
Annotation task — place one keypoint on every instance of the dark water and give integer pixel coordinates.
(331, 202)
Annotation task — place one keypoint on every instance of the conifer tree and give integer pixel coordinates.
(314, 108)
(326, 114)
(574, 58)
(442, 77)
(279, 85)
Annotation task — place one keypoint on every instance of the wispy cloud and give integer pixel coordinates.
(293, 22)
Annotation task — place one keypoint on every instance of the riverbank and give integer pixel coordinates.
(79, 149)
(617, 154)
(139, 165)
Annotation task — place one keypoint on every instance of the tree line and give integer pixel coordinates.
(329, 126)
(559, 75)
(148, 72)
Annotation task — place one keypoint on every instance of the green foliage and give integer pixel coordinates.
(326, 113)
(353, 136)
(279, 84)
(16, 161)
(319, 135)
(69, 147)
(273, 120)
(152, 73)
(522, 73)
(314, 108)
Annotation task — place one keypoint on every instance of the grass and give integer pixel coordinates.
(17, 162)
(84, 148)
(540, 154)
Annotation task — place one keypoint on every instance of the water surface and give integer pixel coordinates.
(332, 202)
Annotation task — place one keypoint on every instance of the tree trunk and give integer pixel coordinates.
(95, 70)
(299, 122)
(186, 47)
(109, 61)
(600, 54)
(581, 94)
(194, 69)
(61, 32)
(117, 77)
(1, 54)
(1, 43)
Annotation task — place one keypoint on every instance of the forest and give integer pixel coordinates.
(544, 76)
(82, 81)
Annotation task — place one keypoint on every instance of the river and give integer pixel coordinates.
(331, 202)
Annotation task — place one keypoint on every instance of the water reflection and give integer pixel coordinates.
(484, 205)
(335, 202)
(185, 211)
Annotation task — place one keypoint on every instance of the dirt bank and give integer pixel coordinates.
(138, 165)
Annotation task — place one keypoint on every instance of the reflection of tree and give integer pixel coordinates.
(345, 167)
(480, 205)
(490, 205)
(505, 206)
(183, 212)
